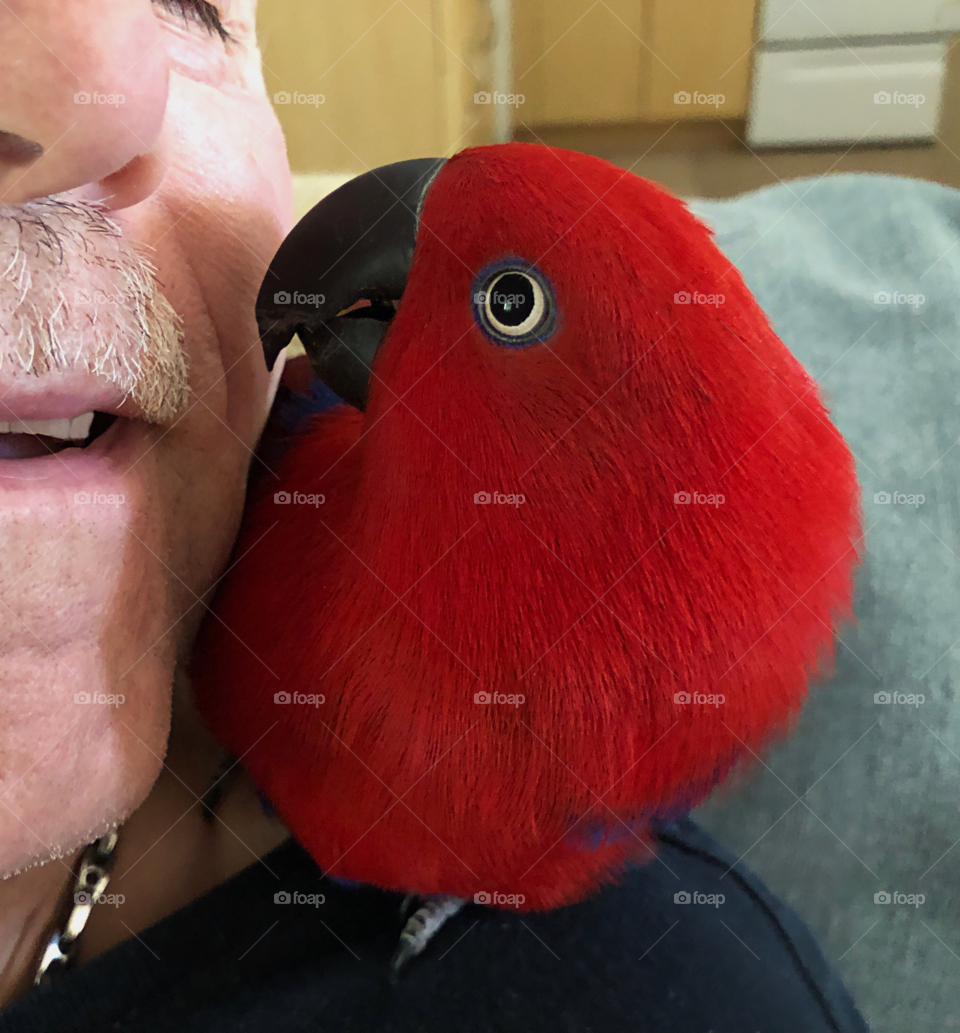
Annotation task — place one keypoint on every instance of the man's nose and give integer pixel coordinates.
(83, 90)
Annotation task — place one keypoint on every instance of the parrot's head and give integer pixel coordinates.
(525, 272)
(581, 473)
(529, 305)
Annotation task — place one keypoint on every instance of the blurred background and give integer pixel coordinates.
(709, 97)
(713, 98)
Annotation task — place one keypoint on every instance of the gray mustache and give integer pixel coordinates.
(76, 295)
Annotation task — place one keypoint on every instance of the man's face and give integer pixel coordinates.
(107, 540)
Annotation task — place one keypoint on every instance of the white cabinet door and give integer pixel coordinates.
(846, 94)
(827, 19)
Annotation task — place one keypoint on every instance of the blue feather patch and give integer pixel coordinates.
(591, 834)
(299, 407)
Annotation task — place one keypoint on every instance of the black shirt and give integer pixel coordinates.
(634, 957)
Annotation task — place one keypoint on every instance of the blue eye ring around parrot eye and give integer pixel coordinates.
(514, 304)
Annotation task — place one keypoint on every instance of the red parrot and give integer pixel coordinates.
(571, 547)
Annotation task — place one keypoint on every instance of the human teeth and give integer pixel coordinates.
(80, 426)
(76, 429)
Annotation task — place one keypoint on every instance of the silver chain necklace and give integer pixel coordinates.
(93, 876)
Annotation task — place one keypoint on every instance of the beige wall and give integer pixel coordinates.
(398, 77)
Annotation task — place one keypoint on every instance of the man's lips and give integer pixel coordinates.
(53, 425)
(59, 396)
(55, 472)
(45, 415)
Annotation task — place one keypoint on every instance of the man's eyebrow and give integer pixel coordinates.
(200, 12)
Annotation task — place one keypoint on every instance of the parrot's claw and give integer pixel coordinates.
(408, 902)
(421, 927)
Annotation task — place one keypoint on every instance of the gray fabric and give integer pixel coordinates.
(878, 784)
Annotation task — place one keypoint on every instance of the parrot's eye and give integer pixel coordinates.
(514, 305)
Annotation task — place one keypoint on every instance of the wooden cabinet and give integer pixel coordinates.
(698, 47)
(576, 61)
(612, 61)
(398, 78)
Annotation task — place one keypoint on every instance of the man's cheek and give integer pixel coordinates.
(228, 374)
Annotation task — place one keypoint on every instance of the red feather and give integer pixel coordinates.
(597, 599)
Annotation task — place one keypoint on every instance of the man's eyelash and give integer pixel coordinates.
(200, 12)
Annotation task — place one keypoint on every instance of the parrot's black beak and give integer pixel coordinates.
(355, 246)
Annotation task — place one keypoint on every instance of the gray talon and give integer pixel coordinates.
(421, 927)
(408, 901)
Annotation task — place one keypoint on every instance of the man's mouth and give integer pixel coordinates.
(27, 439)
